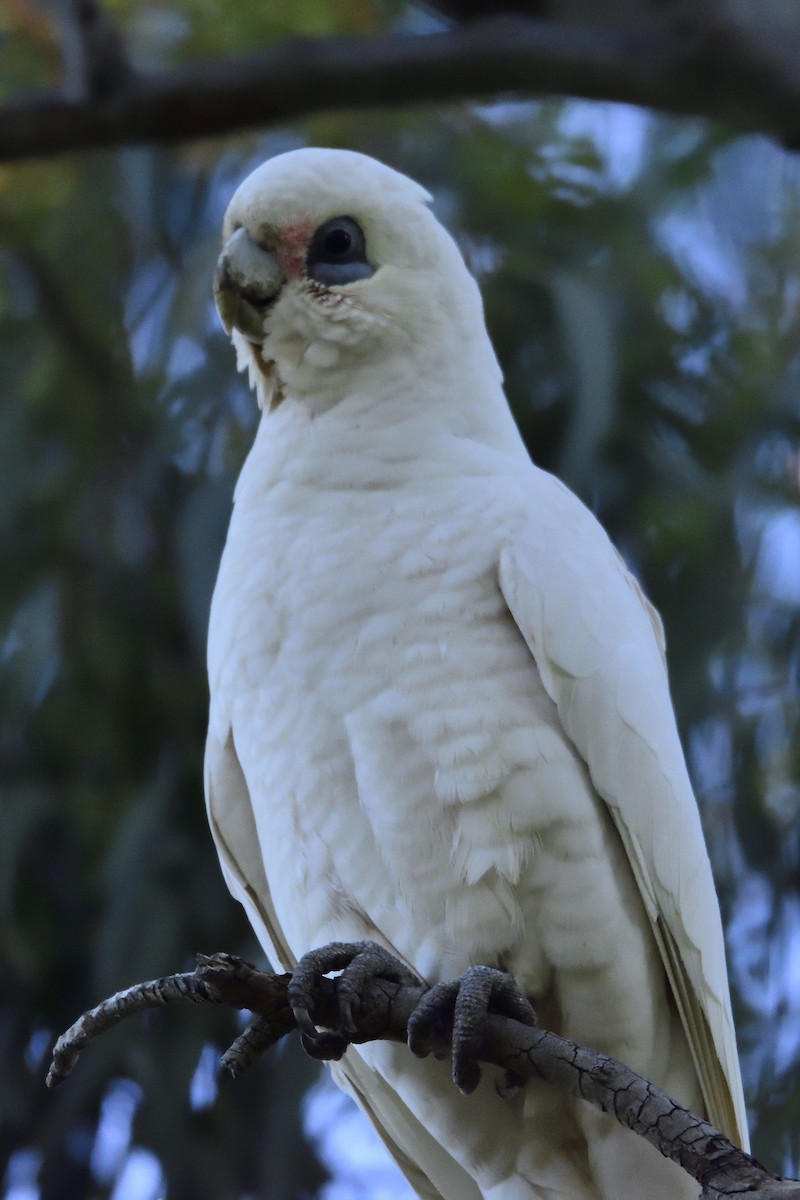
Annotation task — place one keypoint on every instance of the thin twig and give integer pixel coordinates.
(154, 994)
(257, 1037)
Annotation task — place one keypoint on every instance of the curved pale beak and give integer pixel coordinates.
(246, 282)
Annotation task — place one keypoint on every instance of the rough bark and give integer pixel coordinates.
(383, 1011)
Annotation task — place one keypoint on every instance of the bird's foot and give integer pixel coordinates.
(465, 1004)
(359, 963)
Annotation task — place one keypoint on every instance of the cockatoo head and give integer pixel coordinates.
(332, 269)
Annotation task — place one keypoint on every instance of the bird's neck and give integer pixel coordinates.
(391, 430)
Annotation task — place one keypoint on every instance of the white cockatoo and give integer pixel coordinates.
(440, 716)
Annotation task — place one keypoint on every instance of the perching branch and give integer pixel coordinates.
(690, 67)
(383, 1011)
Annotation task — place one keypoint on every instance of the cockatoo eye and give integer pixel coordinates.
(337, 253)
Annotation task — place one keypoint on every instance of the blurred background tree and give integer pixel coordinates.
(642, 283)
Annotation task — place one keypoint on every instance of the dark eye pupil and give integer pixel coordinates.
(337, 253)
(338, 241)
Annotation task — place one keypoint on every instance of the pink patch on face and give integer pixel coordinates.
(292, 248)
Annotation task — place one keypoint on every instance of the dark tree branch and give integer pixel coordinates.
(383, 1012)
(679, 67)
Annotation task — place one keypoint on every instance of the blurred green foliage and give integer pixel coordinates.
(642, 284)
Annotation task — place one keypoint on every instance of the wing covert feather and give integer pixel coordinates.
(598, 647)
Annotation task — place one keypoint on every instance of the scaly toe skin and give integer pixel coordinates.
(467, 1002)
(433, 1015)
(359, 963)
(469, 1022)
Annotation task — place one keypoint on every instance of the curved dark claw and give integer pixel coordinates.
(325, 1045)
(333, 957)
(359, 963)
(465, 1004)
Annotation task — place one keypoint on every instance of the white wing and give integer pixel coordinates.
(429, 1168)
(233, 826)
(599, 649)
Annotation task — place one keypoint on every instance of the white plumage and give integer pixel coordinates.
(440, 715)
